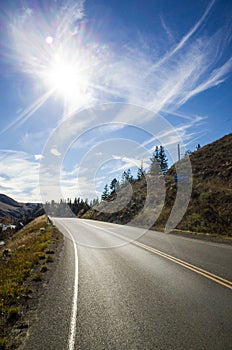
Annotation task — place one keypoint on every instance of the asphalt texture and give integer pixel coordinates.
(132, 298)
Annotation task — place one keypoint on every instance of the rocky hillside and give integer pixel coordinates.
(9, 208)
(210, 206)
(18, 214)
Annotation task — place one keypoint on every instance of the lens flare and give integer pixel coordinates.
(59, 54)
(49, 40)
(66, 77)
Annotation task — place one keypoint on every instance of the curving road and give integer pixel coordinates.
(116, 287)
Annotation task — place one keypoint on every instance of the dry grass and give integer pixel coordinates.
(209, 210)
(19, 260)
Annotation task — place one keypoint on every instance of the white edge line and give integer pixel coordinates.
(72, 332)
(73, 321)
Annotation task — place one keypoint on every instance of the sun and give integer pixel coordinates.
(67, 78)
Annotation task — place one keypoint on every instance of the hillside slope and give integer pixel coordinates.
(9, 208)
(18, 214)
(210, 206)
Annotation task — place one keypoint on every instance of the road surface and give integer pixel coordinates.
(117, 288)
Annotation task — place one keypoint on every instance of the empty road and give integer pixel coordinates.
(116, 287)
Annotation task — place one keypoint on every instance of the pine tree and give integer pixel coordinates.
(141, 172)
(114, 185)
(155, 163)
(163, 161)
(74, 206)
(127, 176)
(95, 201)
(105, 193)
(159, 161)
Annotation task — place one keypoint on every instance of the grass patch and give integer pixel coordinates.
(26, 250)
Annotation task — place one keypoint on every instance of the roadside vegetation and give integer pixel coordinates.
(24, 261)
(209, 209)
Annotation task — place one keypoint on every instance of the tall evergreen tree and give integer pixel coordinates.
(127, 176)
(114, 185)
(95, 201)
(159, 161)
(163, 161)
(155, 164)
(141, 172)
(105, 193)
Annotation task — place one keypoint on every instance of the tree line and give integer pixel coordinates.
(158, 166)
(63, 207)
(79, 206)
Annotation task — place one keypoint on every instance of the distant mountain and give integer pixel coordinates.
(8, 201)
(12, 211)
(210, 206)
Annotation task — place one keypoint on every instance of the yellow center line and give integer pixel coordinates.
(200, 271)
(209, 275)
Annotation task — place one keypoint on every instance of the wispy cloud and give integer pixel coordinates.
(188, 73)
(129, 162)
(55, 152)
(81, 187)
(28, 112)
(38, 156)
(20, 171)
(167, 30)
(216, 77)
(31, 141)
(185, 38)
(133, 75)
(169, 138)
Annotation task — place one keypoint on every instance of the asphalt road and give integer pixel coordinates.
(116, 287)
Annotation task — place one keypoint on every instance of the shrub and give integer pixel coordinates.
(50, 251)
(13, 314)
(44, 268)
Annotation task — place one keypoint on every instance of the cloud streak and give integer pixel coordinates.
(216, 77)
(28, 112)
(131, 75)
(185, 38)
(19, 175)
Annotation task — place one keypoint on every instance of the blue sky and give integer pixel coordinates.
(170, 58)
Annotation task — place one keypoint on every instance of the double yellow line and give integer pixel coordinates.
(191, 267)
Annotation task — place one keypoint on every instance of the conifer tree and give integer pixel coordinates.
(141, 172)
(127, 176)
(105, 193)
(155, 164)
(159, 161)
(114, 185)
(163, 161)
